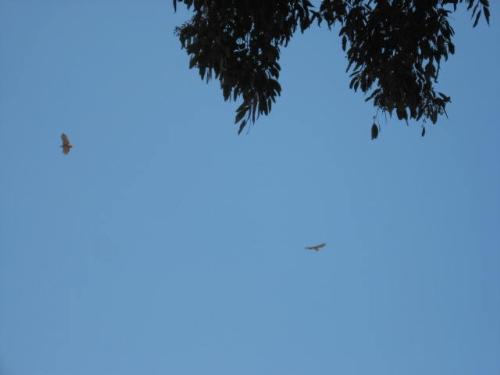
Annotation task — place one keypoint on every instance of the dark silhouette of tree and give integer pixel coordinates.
(394, 48)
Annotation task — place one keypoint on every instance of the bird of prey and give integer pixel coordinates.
(316, 247)
(66, 146)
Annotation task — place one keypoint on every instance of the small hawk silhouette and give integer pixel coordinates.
(66, 145)
(316, 247)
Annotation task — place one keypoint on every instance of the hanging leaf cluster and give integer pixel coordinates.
(394, 48)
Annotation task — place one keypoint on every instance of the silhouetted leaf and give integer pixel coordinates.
(240, 115)
(375, 131)
(242, 126)
(487, 15)
(477, 18)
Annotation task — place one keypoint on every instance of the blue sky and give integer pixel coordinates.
(166, 244)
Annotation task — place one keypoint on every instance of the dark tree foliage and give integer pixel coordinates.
(394, 48)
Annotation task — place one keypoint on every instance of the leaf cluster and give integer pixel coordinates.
(394, 48)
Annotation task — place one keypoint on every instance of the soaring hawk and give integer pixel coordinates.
(316, 247)
(66, 146)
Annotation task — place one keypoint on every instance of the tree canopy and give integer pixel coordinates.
(394, 48)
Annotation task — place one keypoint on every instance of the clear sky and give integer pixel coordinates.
(166, 244)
